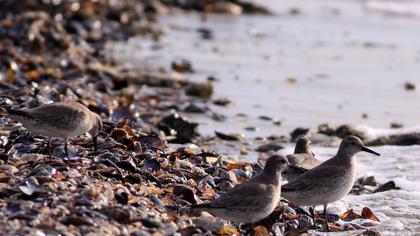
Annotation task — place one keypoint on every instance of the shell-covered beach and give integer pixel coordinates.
(194, 96)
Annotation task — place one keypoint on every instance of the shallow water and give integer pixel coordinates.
(347, 58)
(398, 210)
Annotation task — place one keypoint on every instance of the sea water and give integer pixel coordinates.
(331, 62)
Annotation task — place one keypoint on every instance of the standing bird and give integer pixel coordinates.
(63, 120)
(303, 146)
(253, 200)
(329, 181)
(301, 161)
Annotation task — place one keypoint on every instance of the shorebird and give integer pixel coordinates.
(63, 120)
(303, 146)
(329, 181)
(253, 200)
(301, 161)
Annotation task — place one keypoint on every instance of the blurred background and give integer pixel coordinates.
(309, 63)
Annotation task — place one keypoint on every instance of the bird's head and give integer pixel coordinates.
(350, 145)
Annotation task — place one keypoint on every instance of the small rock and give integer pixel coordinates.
(291, 80)
(370, 180)
(121, 196)
(229, 175)
(228, 137)
(205, 33)
(121, 215)
(277, 122)
(396, 125)
(30, 187)
(269, 147)
(212, 78)
(260, 230)
(209, 223)
(152, 143)
(77, 221)
(263, 117)
(243, 150)
(291, 227)
(184, 130)
(201, 90)
(305, 222)
(126, 165)
(390, 185)
(8, 169)
(226, 7)
(295, 11)
(251, 128)
(409, 86)
(326, 129)
(222, 102)
(193, 108)
(345, 130)
(406, 139)
(151, 164)
(150, 223)
(185, 192)
(218, 117)
(289, 213)
(182, 66)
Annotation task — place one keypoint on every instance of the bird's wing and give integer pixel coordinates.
(312, 178)
(305, 161)
(295, 169)
(243, 196)
(60, 114)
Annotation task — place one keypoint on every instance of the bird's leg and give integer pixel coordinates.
(95, 143)
(326, 218)
(49, 148)
(312, 211)
(65, 147)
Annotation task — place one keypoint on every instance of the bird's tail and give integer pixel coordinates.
(196, 209)
(201, 206)
(17, 113)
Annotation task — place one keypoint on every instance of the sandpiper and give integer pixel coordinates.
(62, 120)
(329, 181)
(301, 161)
(303, 145)
(253, 200)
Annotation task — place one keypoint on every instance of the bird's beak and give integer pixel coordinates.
(365, 149)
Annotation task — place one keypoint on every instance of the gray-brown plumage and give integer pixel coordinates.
(62, 120)
(253, 200)
(303, 146)
(328, 182)
(301, 161)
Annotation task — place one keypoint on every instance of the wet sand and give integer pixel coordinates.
(331, 62)
(312, 62)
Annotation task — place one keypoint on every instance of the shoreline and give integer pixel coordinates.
(153, 162)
